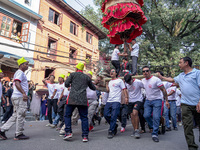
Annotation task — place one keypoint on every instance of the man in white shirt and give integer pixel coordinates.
(51, 102)
(115, 58)
(162, 120)
(112, 108)
(134, 87)
(134, 54)
(104, 98)
(153, 103)
(19, 99)
(171, 93)
(58, 91)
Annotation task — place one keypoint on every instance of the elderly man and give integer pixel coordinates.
(189, 82)
(19, 99)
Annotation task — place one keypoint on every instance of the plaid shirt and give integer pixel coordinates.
(79, 83)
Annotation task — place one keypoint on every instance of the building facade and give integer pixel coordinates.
(63, 38)
(18, 24)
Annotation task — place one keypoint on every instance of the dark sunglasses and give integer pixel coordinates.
(145, 71)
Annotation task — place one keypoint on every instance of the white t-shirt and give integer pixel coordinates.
(115, 90)
(66, 92)
(151, 86)
(166, 85)
(51, 88)
(178, 98)
(173, 96)
(91, 95)
(59, 87)
(115, 55)
(20, 76)
(135, 50)
(104, 98)
(134, 91)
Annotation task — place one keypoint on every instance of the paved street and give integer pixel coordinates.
(45, 138)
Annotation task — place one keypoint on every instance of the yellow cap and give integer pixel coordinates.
(68, 74)
(21, 61)
(90, 72)
(62, 76)
(80, 66)
(1, 71)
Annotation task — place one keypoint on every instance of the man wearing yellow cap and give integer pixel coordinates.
(19, 99)
(58, 90)
(77, 98)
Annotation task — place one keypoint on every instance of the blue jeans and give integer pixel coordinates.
(111, 112)
(155, 107)
(56, 120)
(42, 117)
(172, 110)
(83, 112)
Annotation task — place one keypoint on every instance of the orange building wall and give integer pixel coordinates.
(65, 40)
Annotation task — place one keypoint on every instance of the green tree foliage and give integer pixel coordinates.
(172, 31)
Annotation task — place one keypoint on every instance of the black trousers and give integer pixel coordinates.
(51, 103)
(61, 110)
(116, 64)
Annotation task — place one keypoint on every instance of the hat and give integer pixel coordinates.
(21, 61)
(90, 72)
(62, 76)
(1, 71)
(68, 74)
(80, 66)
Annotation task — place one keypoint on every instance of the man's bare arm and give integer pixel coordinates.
(169, 79)
(171, 92)
(162, 88)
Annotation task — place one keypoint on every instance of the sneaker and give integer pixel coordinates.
(52, 125)
(176, 129)
(163, 130)
(132, 135)
(155, 139)
(91, 128)
(168, 129)
(137, 134)
(179, 124)
(3, 135)
(61, 133)
(48, 125)
(67, 136)
(85, 139)
(122, 129)
(21, 137)
(110, 135)
(115, 131)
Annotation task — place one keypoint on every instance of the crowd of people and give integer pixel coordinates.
(157, 101)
